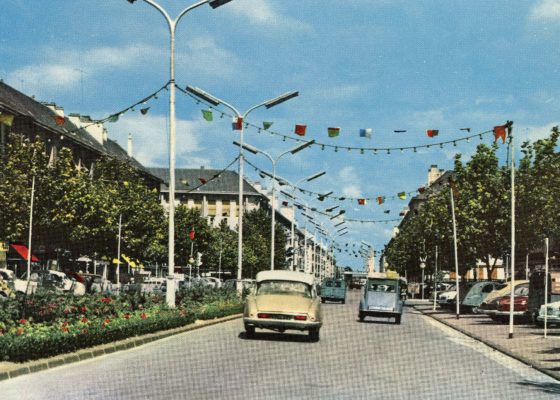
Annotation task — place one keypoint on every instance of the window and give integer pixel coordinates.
(284, 288)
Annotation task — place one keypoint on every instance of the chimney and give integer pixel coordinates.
(434, 173)
(104, 135)
(129, 148)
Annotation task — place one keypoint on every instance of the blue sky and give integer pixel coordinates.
(381, 64)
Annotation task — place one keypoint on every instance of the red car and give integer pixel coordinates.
(520, 308)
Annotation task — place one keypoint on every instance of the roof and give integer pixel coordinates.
(22, 105)
(225, 182)
(282, 275)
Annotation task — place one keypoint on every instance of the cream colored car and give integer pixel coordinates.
(283, 300)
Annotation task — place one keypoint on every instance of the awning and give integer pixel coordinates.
(23, 251)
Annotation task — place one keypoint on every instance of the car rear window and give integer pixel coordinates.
(382, 285)
(284, 287)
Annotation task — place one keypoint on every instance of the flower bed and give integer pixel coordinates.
(40, 326)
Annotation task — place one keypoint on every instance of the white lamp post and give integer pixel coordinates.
(274, 161)
(172, 25)
(268, 104)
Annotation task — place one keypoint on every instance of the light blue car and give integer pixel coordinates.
(382, 297)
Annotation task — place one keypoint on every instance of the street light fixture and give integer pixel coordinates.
(274, 161)
(201, 94)
(172, 25)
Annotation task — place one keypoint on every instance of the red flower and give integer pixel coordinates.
(84, 309)
(20, 331)
(29, 302)
(85, 330)
(64, 329)
(105, 299)
(140, 307)
(107, 321)
(84, 320)
(126, 316)
(23, 321)
(65, 323)
(143, 316)
(66, 311)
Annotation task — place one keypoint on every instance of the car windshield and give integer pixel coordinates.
(284, 287)
(382, 285)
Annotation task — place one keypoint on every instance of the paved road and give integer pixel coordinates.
(372, 360)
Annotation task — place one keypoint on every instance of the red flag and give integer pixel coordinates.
(237, 123)
(380, 200)
(432, 132)
(300, 130)
(59, 120)
(500, 132)
(191, 234)
(362, 202)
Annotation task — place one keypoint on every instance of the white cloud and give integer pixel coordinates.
(44, 78)
(204, 57)
(339, 93)
(546, 10)
(151, 141)
(533, 133)
(261, 12)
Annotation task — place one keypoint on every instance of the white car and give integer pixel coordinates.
(445, 299)
(19, 285)
(553, 314)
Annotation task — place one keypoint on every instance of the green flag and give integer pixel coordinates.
(334, 132)
(207, 115)
(402, 195)
(113, 118)
(266, 124)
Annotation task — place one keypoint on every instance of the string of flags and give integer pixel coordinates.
(204, 181)
(59, 120)
(360, 200)
(300, 130)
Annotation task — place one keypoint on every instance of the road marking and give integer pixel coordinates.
(511, 363)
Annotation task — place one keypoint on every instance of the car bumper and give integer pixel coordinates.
(550, 319)
(506, 313)
(277, 324)
(379, 312)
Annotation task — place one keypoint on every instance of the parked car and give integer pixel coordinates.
(536, 291)
(382, 297)
(520, 305)
(283, 300)
(552, 314)
(16, 284)
(247, 284)
(445, 299)
(490, 303)
(333, 289)
(477, 293)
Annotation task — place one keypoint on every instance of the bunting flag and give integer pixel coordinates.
(191, 234)
(432, 132)
(387, 211)
(202, 180)
(400, 131)
(362, 202)
(266, 124)
(59, 120)
(6, 119)
(144, 111)
(237, 123)
(402, 195)
(207, 115)
(334, 132)
(366, 132)
(500, 132)
(465, 129)
(285, 203)
(300, 130)
(113, 118)
(380, 200)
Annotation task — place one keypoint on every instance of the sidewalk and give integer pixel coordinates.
(528, 344)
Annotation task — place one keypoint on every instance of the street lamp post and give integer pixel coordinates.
(274, 161)
(201, 94)
(172, 25)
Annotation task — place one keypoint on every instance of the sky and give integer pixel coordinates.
(381, 64)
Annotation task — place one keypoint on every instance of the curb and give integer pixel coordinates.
(13, 370)
(497, 347)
